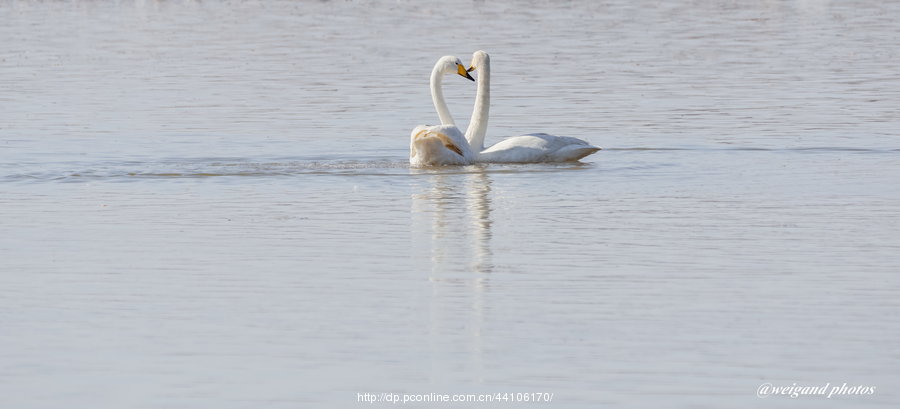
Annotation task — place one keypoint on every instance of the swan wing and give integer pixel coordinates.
(537, 147)
(436, 145)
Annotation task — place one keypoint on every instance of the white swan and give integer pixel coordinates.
(537, 147)
(444, 144)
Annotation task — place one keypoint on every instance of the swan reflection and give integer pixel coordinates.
(452, 239)
(452, 222)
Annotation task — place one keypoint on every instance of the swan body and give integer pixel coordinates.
(445, 144)
(536, 147)
(435, 145)
(530, 148)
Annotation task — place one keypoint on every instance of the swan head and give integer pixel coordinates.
(479, 59)
(452, 65)
(438, 145)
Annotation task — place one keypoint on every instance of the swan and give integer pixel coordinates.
(530, 148)
(444, 144)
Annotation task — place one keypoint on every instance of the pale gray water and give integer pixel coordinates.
(207, 204)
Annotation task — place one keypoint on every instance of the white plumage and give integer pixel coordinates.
(445, 144)
(530, 148)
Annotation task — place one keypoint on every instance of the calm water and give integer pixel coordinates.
(207, 204)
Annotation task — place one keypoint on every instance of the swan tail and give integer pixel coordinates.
(573, 153)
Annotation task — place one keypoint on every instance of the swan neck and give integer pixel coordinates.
(477, 129)
(437, 97)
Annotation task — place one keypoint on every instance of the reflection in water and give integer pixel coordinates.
(457, 213)
(455, 217)
(478, 189)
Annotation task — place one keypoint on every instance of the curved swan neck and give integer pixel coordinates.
(477, 129)
(437, 96)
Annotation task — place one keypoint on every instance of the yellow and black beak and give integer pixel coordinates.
(472, 68)
(462, 71)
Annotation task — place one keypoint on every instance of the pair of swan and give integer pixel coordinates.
(445, 144)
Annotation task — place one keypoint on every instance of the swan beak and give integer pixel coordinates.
(462, 71)
(472, 68)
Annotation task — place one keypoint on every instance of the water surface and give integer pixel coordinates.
(208, 204)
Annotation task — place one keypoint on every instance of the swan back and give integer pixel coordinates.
(537, 147)
(439, 145)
